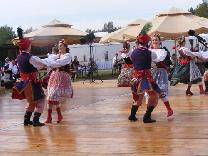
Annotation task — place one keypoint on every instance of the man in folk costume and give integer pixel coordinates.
(28, 87)
(143, 81)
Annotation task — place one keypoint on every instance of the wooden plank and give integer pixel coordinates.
(95, 123)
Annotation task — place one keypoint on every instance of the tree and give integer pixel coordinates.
(31, 29)
(6, 34)
(201, 10)
(90, 31)
(109, 27)
(191, 10)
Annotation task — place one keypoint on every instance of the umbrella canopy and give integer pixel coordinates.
(175, 22)
(54, 31)
(122, 34)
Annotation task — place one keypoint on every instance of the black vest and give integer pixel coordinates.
(24, 64)
(141, 59)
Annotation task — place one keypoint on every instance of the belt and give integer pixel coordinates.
(29, 76)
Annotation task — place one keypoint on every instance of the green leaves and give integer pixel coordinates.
(6, 34)
(146, 28)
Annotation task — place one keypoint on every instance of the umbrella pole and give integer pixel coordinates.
(92, 69)
(175, 52)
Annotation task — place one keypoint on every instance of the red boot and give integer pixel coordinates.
(201, 90)
(49, 118)
(60, 117)
(169, 109)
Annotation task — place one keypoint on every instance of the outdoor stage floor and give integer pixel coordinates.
(95, 123)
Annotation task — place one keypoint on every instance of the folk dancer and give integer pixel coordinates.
(124, 78)
(186, 70)
(28, 87)
(143, 81)
(160, 71)
(59, 85)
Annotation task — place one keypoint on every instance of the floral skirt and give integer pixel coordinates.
(59, 87)
(186, 73)
(125, 77)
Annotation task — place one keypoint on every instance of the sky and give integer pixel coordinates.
(83, 14)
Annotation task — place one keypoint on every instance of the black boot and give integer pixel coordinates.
(206, 86)
(36, 121)
(147, 115)
(132, 116)
(27, 117)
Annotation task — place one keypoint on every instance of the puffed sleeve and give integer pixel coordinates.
(188, 52)
(37, 62)
(66, 59)
(158, 55)
(202, 55)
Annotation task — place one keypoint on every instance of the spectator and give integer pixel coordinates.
(116, 63)
(75, 64)
(13, 68)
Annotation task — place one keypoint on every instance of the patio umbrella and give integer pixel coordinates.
(176, 22)
(54, 31)
(122, 34)
(172, 23)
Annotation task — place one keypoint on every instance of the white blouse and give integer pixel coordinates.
(53, 61)
(158, 55)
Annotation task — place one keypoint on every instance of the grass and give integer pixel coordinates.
(104, 75)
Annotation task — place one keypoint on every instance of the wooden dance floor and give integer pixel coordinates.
(95, 123)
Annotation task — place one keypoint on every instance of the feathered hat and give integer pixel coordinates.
(143, 38)
(22, 43)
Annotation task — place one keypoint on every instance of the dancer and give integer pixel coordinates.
(143, 80)
(199, 63)
(205, 77)
(59, 85)
(28, 87)
(160, 72)
(186, 70)
(124, 79)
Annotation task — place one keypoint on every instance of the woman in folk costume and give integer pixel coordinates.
(205, 76)
(124, 78)
(143, 81)
(186, 70)
(199, 63)
(160, 72)
(28, 87)
(59, 85)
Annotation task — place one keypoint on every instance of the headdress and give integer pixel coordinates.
(22, 43)
(143, 38)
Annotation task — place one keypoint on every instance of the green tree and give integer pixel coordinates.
(6, 34)
(31, 29)
(109, 27)
(191, 10)
(90, 31)
(201, 10)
